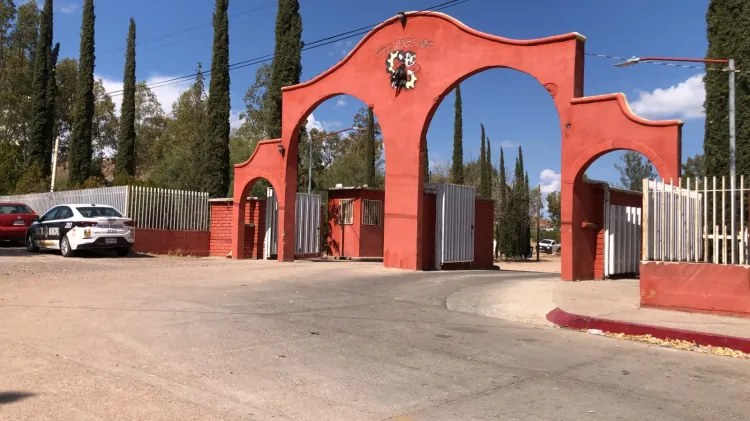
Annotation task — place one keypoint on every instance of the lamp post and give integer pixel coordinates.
(310, 152)
(731, 69)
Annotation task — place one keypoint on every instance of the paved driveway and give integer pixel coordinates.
(100, 338)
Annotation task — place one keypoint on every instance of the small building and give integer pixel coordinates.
(356, 228)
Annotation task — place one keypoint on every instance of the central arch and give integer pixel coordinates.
(441, 51)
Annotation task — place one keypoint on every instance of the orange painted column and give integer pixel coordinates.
(404, 192)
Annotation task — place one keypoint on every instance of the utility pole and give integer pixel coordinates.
(54, 164)
(538, 218)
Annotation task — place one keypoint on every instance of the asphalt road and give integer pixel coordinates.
(100, 338)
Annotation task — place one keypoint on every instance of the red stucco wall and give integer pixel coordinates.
(721, 289)
(154, 241)
(221, 228)
(355, 240)
(428, 231)
(483, 233)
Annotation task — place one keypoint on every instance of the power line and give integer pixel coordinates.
(188, 29)
(314, 44)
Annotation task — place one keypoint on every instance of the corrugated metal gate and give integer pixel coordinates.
(622, 239)
(306, 225)
(454, 225)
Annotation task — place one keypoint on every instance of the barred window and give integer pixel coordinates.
(346, 211)
(372, 212)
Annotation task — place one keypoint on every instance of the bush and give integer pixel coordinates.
(32, 182)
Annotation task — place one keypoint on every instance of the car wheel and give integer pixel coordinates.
(122, 251)
(30, 246)
(65, 248)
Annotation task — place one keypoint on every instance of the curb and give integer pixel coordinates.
(564, 319)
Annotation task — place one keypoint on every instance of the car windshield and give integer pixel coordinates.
(99, 212)
(14, 209)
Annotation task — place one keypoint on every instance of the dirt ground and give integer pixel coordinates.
(548, 263)
(172, 338)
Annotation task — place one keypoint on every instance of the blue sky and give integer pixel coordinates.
(514, 108)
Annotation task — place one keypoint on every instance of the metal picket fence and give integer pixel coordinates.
(149, 207)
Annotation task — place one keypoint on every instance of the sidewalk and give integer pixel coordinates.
(612, 306)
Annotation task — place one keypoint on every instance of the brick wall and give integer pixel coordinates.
(221, 228)
(154, 241)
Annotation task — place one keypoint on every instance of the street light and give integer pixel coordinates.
(731, 69)
(310, 152)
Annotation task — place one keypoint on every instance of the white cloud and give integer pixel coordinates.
(340, 103)
(508, 144)
(166, 95)
(684, 101)
(344, 52)
(69, 8)
(313, 123)
(234, 119)
(550, 181)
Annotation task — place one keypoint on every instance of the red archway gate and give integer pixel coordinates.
(432, 53)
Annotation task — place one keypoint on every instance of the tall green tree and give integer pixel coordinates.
(179, 147)
(501, 232)
(553, 207)
(490, 169)
(633, 170)
(216, 151)
(694, 167)
(81, 148)
(50, 131)
(37, 146)
(485, 188)
(727, 32)
(370, 146)
(126, 148)
(457, 170)
(287, 61)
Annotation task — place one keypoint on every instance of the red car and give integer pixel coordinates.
(14, 219)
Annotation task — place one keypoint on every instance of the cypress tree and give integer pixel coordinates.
(527, 217)
(51, 100)
(217, 148)
(485, 188)
(83, 114)
(37, 146)
(370, 149)
(126, 136)
(457, 170)
(502, 225)
(490, 175)
(727, 33)
(286, 69)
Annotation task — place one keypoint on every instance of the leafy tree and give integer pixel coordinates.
(216, 150)
(179, 148)
(50, 105)
(501, 207)
(485, 186)
(490, 170)
(126, 149)
(694, 167)
(286, 69)
(457, 170)
(37, 146)
(633, 170)
(81, 148)
(104, 125)
(553, 207)
(11, 162)
(150, 123)
(727, 33)
(32, 180)
(65, 75)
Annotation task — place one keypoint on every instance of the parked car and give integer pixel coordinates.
(14, 219)
(549, 246)
(70, 228)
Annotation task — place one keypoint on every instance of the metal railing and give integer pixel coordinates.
(696, 220)
(149, 207)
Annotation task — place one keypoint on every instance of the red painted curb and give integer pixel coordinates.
(562, 318)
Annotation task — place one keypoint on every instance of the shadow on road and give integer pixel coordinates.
(11, 250)
(10, 397)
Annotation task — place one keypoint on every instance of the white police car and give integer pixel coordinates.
(69, 228)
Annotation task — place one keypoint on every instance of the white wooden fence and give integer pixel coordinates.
(148, 207)
(695, 220)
